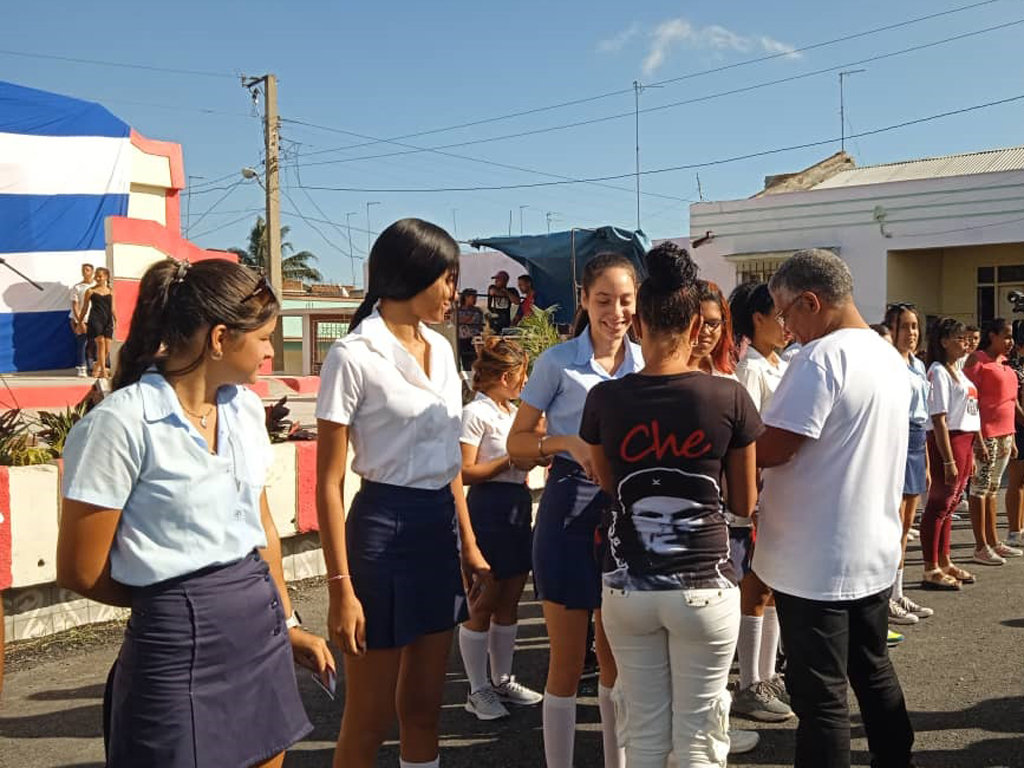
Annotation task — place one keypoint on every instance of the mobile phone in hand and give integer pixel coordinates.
(332, 682)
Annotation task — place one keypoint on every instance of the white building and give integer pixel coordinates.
(944, 233)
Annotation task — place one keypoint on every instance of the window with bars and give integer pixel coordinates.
(756, 270)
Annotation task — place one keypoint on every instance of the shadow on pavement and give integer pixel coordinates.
(76, 723)
(66, 694)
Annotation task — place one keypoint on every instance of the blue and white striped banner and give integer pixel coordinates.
(65, 165)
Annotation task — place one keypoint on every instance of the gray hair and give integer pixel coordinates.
(816, 270)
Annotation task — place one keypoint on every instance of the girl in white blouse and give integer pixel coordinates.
(394, 577)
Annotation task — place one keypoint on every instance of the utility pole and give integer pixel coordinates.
(521, 209)
(455, 223)
(351, 253)
(842, 107)
(638, 88)
(550, 216)
(271, 135)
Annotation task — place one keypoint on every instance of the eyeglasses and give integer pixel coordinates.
(711, 326)
(781, 315)
(262, 286)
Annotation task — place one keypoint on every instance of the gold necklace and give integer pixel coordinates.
(201, 416)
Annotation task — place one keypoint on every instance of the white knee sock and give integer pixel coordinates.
(435, 763)
(749, 649)
(501, 644)
(559, 730)
(473, 646)
(769, 643)
(897, 586)
(614, 755)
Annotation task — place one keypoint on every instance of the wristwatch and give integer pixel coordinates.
(294, 620)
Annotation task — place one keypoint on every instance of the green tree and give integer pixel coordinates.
(295, 266)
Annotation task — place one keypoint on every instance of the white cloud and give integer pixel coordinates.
(619, 41)
(679, 32)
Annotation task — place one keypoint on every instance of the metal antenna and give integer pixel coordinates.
(842, 106)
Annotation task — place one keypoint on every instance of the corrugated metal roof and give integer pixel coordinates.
(990, 161)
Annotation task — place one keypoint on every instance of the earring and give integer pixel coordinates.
(216, 355)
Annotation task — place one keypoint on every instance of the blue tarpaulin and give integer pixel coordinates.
(555, 261)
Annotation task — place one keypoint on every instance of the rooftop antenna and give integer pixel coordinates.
(842, 106)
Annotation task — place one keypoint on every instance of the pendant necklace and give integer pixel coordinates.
(201, 416)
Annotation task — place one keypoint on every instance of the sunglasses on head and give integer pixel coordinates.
(262, 287)
(901, 305)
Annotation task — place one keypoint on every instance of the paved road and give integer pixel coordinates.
(962, 671)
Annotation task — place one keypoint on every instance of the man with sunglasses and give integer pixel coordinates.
(829, 526)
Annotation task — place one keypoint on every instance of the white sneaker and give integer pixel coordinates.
(910, 606)
(986, 556)
(742, 741)
(82, 373)
(1005, 550)
(899, 615)
(486, 705)
(512, 692)
(913, 534)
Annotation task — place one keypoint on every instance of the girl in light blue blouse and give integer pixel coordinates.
(165, 511)
(904, 325)
(566, 571)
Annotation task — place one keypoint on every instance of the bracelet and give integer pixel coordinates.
(339, 577)
(949, 463)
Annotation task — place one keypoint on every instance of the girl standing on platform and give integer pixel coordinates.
(566, 572)
(501, 510)
(395, 583)
(99, 306)
(165, 511)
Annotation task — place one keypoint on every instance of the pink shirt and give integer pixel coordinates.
(997, 393)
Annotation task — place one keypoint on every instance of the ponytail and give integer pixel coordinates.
(178, 301)
(363, 310)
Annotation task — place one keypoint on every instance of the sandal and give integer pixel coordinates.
(939, 580)
(965, 577)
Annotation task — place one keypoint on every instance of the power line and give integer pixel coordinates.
(690, 166)
(669, 81)
(247, 215)
(220, 199)
(672, 105)
(122, 65)
(483, 161)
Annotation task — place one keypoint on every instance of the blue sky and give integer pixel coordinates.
(389, 69)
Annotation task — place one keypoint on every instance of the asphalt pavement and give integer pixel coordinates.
(962, 672)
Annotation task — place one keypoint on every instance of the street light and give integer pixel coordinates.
(369, 244)
(551, 216)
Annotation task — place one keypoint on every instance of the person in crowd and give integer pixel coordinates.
(997, 398)
(713, 352)
(501, 511)
(904, 326)
(528, 298)
(165, 511)
(393, 567)
(566, 573)
(500, 298)
(671, 606)
(973, 340)
(882, 330)
(762, 691)
(79, 317)
(470, 321)
(828, 525)
(1015, 471)
(952, 431)
(102, 317)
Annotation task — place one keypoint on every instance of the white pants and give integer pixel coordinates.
(673, 650)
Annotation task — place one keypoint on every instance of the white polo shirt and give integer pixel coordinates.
(403, 425)
(759, 377)
(829, 526)
(486, 426)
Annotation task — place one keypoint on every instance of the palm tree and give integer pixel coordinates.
(294, 267)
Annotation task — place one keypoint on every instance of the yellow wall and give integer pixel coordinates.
(944, 281)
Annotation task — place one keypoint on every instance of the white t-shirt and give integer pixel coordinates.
(957, 398)
(78, 291)
(829, 526)
(404, 427)
(486, 426)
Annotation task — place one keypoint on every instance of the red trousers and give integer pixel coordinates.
(937, 522)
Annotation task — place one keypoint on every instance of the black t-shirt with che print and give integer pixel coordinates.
(666, 438)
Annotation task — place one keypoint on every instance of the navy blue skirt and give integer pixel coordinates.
(501, 514)
(205, 675)
(566, 569)
(403, 553)
(915, 477)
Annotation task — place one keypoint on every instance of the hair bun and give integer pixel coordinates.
(670, 267)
